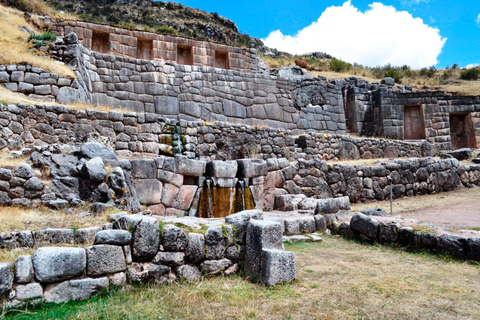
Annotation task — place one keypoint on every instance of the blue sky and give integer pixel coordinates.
(457, 39)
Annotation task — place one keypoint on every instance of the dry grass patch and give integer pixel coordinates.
(15, 47)
(337, 279)
(8, 161)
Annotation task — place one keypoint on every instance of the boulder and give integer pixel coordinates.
(24, 171)
(105, 259)
(277, 267)
(405, 236)
(327, 206)
(429, 240)
(388, 232)
(473, 249)
(29, 291)
(461, 154)
(113, 237)
(84, 235)
(260, 235)
(6, 278)
(53, 264)
(212, 267)
(240, 221)
(195, 251)
(189, 167)
(214, 243)
(145, 238)
(379, 212)
(366, 225)
(221, 169)
(189, 272)
(94, 170)
(292, 225)
(116, 181)
(75, 289)
(452, 245)
(34, 184)
(92, 150)
(171, 259)
(249, 168)
(174, 238)
(307, 224)
(147, 273)
(344, 230)
(23, 269)
(320, 222)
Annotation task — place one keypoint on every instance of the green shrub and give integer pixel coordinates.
(337, 65)
(45, 36)
(166, 30)
(470, 74)
(428, 72)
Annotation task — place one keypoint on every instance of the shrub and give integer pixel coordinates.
(338, 65)
(470, 74)
(428, 72)
(166, 30)
(45, 36)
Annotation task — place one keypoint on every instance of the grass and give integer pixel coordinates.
(7, 161)
(15, 46)
(336, 279)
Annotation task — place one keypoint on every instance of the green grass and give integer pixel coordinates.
(336, 279)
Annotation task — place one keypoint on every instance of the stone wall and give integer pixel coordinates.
(141, 250)
(125, 43)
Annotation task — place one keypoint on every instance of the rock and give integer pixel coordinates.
(74, 289)
(389, 81)
(67, 188)
(30, 291)
(105, 259)
(149, 191)
(221, 169)
(113, 237)
(379, 212)
(388, 232)
(260, 235)
(84, 235)
(98, 208)
(320, 222)
(174, 238)
(473, 249)
(189, 272)
(34, 184)
(292, 225)
(429, 240)
(58, 204)
(94, 170)
(54, 236)
(235, 252)
(344, 230)
(92, 150)
(147, 273)
(240, 221)
(212, 267)
(53, 264)
(452, 245)
(461, 154)
(300, 238)
(6, 278)
(249, 168)
(116, 181)
(277, 267)
(146, 236)
(171, 259)
(23, 269)
(366, 225)
(348, 151)
(24, 171)
(307, 224)
(405, 236)
(214, 243)
(195, 251)
(189, 167)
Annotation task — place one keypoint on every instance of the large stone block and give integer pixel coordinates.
(146, 238)
(189, 167)
(189, 273)
(184, 198)
(174, 238)
(23, 269)
(144, 168)
(94, 170)
(149, 191)
(366, 225)
(320, 222)
(452, 245)
(388, 232)
(85, 235)
(92, 150)
(473, 249)
(75, 289)
(260, 235)
(6, 278)
(195, 251)
(172, 259)
(147, 273)
(249, 168)
(277, 267)
(214, 243)
(113, 237)
(240, 221)
(307, 224)
(327, 206)
(222, 169)
(105, 259)
(166, 105)
(211, 267)
(53, 264)
(30, 291)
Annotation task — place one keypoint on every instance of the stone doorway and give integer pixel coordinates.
(413, 123)
(462, 133)
(101, 42)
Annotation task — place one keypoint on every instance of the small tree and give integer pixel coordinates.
(470, 74)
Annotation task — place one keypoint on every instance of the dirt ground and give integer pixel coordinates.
(455, 210)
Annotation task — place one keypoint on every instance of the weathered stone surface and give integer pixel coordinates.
(172, 259)
(320, 222)
(452, 245)
(30, 291)
(189, 167)
(149, 191)
(235, 252)
(24, 171)
(366, 225)
(307, 224)
(429, 240)
(214, 243)
(23, 269)
(84, 235)
(221, 169)
(118, 279)
(53, 264)
(189, 272)
(327, 206)
(184, 198)
(249, 168)
(94, 170)
(174, 238)
(74, 289)
(260, 235)
(145, 238)
(34, 184)
(405, 235)
(277, 267)
(374, 212)
(92, 150)
(195, 251)
(388, 231)
(114, 237)
(144, 168)
(105, 259)
(147, 273)
(240, 221)
(54, 236)
(473, 249)
(6, 278)
(211, 267)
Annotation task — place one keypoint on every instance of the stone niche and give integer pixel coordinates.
(221, 60)
(185, 55)
(101, 42)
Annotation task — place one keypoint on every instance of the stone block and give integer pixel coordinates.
(105, 259)
(473, 249)
(117, 279)
(30, 291)
(260, 235)
(388, 232)
(94, 170)
(277, 267)
(212, 267)
(405, 236)
(149, 191)
(6, 278)
(221, 169)
(113, 237)
(327, 206)
(452, 245)
(84, 235)
(366, 225)
(249, 168)
(53, 264)
(74, 289)
(195, 251)
(240, 221)
(24, 171)
(307, 224)
(320, 222)
(292, 225)
(189, 272)
(144, 168)
(184, 198)
(147, 273)
(165, 105)
(23, 269)
(174, 238)
(189, 167)
(172, 259)
(92, 150)
(214, 243)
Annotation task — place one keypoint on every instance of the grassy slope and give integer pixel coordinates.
(337, 279)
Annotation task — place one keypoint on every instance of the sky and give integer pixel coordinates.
(419, 33)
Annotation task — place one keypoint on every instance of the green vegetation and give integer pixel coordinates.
(470, 74)
(45, 36)
(166, 30)
(337, 65)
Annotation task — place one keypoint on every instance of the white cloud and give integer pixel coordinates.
(378, 36)
(472, 65)
(478, 19)
(412, 2)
